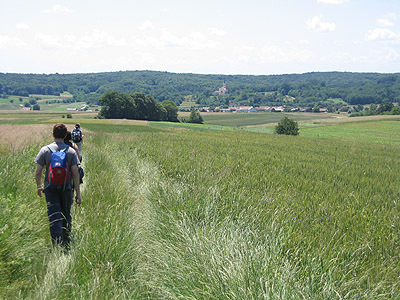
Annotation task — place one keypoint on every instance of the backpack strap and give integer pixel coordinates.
(52, 149)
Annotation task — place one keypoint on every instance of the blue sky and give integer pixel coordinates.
(207, 37)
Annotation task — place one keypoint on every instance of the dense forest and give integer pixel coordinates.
(309, 89)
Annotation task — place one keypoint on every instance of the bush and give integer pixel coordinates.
(36, 107)
(69, 116)
(195, 117)
(287, 126)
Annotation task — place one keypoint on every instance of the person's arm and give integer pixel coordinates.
(75, 177)
(38, 178)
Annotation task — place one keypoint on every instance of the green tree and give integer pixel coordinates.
(396, 110)
(117, 106)
(287, 126)
(36, 107)
(171, 110)
(285, 88)
(195, 117)
(315, 109)
(386, 106)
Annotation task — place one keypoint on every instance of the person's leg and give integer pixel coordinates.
(66, 203)
(79, 146)
(55, 215)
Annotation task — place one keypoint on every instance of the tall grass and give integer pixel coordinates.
(180, 214)
(23, 223)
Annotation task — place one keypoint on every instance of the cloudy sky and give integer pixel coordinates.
(200, 36)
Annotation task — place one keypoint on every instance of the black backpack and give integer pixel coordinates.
(76, 135)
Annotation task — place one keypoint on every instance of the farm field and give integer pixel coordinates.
(384, 131)
(260, 118)
(177, 213)
(6, 105)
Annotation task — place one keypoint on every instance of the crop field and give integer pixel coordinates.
(260, 118)
(6, 105)
(177, 213)
(381, 132)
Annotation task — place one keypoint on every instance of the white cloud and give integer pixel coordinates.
(97, 39)
(392, 55)
(384, 56)
(384, 22)
(381, 34)
(146, 25)
(272, 54)
(22, 26)
(194, 41)
(48, 41)
(316, 24)
(216, 31)
(166, 39)
(304, 42)
(332, 1)
(57, 8)
(7, 42)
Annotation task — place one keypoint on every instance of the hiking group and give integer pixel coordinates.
(61, 161)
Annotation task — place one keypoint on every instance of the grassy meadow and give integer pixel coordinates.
(14, 104)
(259, 118)
(177, 213)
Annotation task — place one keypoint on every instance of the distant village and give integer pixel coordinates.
(223, 91)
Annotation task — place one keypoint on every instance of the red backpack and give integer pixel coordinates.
(59, 170)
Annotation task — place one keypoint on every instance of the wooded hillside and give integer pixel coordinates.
(307, 89)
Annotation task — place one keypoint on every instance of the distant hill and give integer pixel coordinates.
(309, 89)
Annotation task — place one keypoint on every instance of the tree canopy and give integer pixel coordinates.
(136, 106)
(195, 117)
(287, 126)
(309, 89)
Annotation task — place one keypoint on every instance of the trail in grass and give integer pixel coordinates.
(139, 235)
(147, 232)
(111, 231)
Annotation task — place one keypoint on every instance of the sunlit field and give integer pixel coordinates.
(177, 213)
(259, 118)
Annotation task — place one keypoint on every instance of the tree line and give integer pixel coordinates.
(136, 106)
(309, 89)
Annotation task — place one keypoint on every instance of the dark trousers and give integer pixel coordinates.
(59, 212)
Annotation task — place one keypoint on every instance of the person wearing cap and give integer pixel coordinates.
(77, 136)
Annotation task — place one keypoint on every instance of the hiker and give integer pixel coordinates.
(77, 136)
(61, 176)
(68, 141)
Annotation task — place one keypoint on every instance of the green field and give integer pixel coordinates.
(381, 132)
(259, 118)
(176, 213)
(54, 107)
